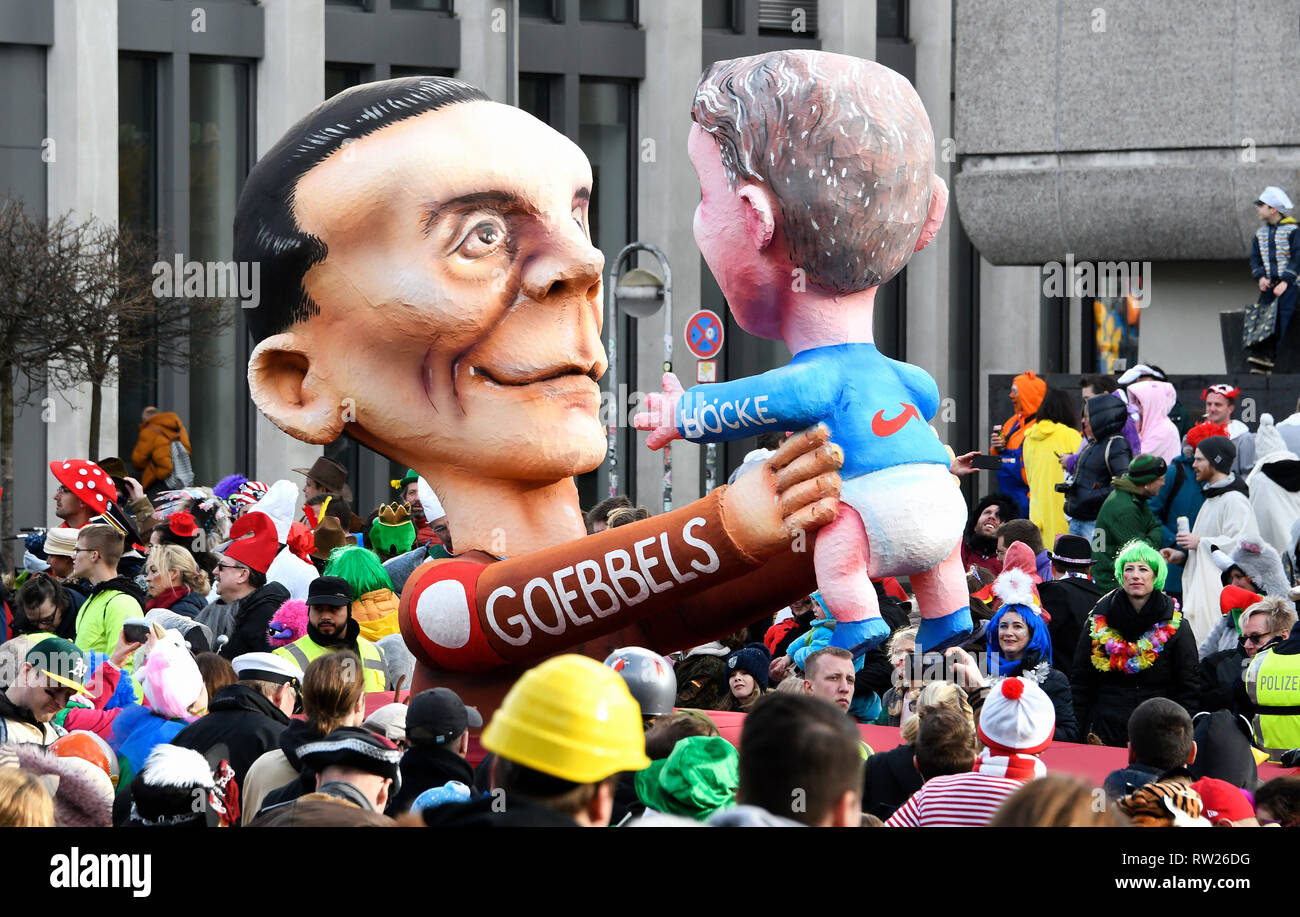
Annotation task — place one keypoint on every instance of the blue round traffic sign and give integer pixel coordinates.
(704, 335)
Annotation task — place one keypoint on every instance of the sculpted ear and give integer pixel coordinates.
(289, 390)
(934, 218)
(759, 215)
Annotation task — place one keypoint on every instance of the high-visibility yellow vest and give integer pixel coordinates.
(305, 649)
(1273, 685)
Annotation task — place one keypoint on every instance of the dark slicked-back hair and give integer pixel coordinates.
(798, 756)
(1160, 733)
(265, 230)
(847, 151)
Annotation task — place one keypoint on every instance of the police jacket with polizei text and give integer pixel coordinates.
(1288, 647)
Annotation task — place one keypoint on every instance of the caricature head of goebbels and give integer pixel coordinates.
(429, 286)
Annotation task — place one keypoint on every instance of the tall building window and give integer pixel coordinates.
(605, 125)
(137, 196)
(395, 71)
(891, 19)
(783, 17)
(537, 9)
(219, 162)
(535, 96)
(607, 10)
(719, 14)
(436, 6)
(339, 77)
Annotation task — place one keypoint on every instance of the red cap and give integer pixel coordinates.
(87, 481)
(182, 524)
(254, 542)
(1234, 597)
(1223, 800)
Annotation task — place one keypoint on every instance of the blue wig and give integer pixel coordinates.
(1040, 640)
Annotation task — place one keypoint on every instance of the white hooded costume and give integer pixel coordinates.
(1276, 508)
(1224, 518)
(288, 569)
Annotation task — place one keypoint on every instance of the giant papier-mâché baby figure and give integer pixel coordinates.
(430, 287)
(817, 183)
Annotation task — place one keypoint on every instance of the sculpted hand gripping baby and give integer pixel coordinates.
(817, 183)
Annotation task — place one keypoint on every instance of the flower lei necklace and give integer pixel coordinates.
(1112, 653)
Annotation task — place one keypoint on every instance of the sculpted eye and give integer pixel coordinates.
(484, 238)
(580, 218)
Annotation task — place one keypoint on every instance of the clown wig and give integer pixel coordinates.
(1139, 552)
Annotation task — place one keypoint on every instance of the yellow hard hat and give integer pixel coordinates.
(572, 718)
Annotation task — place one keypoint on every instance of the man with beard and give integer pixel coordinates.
(330, 628)
(979, 544)
(1224, 520)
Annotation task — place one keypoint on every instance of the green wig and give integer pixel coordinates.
(1138, 551)
(360, 567)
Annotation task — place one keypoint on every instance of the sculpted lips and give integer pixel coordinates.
(531, 376)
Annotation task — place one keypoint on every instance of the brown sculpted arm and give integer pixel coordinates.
(668, 572)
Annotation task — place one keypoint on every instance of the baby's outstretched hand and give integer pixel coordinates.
(661, 418)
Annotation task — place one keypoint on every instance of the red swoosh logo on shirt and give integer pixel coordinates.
(882, 427)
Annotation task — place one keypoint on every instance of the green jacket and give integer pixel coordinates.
(1123, 517)
(100, 619)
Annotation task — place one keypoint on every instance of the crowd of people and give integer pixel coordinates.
(1130, 578)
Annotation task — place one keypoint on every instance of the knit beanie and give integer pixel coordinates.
(751, 660)
(1146, 468)
(1219, 452)
(1203, 431)
(1017, 718)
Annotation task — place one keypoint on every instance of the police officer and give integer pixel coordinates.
(1269, 692)
(330, 628)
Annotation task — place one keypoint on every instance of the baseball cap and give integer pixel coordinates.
(329, 590)
(62, 661)
(1274, 196)
(438, 715)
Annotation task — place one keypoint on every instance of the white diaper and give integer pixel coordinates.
(914, 515)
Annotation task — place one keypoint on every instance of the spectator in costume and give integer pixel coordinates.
(1136, 645)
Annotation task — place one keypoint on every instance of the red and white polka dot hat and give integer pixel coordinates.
(87, 480)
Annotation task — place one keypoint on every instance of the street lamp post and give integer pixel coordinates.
(639, 293)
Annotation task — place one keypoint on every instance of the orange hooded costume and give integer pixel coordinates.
(152, 453)
(1027, 391)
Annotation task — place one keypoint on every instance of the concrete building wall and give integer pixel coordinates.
(667, 193)
(928, 273)
(290, 82)
(81, 118)
(1135, 131)
(1009, 330)
(1180, 327)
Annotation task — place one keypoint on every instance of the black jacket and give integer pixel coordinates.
(1103, 701)
(889, 780)
(425, 766)
(241, 726)
(1069, 601)
(496, 812)
(1220, 673)
(190, 604)
(297, 734)
(1107, 456)
(1056, 685)
(248, 631)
